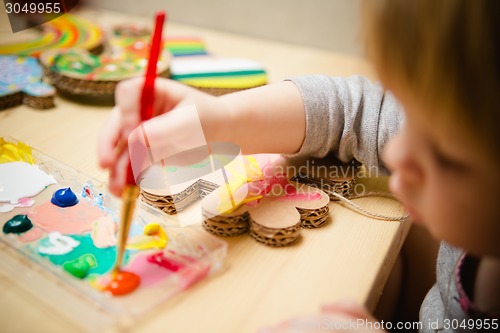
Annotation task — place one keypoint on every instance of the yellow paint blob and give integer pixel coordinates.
(253, 172)
(154, 237)
(15, 152)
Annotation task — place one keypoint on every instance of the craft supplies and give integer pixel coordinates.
(52, 250)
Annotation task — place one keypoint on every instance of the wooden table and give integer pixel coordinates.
(350, 257)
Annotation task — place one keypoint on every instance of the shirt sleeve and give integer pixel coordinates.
(350, 117)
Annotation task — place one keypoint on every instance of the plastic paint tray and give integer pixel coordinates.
(76, 299)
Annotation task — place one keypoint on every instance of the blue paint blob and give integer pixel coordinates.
(64, 197)
(17, 225)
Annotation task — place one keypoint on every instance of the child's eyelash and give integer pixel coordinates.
(447, 162)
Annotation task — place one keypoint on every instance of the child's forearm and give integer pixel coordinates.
(269, 119)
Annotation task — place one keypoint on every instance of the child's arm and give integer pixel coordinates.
(312, 115)
(316, 115)
(269, 119)
(350, 117)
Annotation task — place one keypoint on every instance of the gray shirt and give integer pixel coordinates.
(447, 307)
(350, 117)
(354, 118)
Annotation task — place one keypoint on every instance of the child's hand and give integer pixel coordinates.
(339, 317)
(269, 119)
(166, 128)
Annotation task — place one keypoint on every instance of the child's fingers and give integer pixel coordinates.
(108, 139)
(168, 135)
(356, 313)
(117, 174)
(173, 94)
(168, 94)
(347, 307)
(338, 322)
(127, 96)
(345, 316)
(123, 119)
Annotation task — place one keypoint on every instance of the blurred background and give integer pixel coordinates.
(326, 24)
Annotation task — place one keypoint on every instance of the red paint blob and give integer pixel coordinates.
(188, 269)
(123, 283)
(167, 263)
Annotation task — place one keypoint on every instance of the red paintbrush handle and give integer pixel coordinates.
(130, 174)
(147, 96)
(148, 90)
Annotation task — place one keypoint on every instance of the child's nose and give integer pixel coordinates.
(400, 160)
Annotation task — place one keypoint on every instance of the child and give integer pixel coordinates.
(441, 61)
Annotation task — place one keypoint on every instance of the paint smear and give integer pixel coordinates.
(105, 258)
(154, 268)
(149, 272)
(23, 202)
(192, 275)
(76, 219)
(104, 232)
(31, 235)
(22, 180)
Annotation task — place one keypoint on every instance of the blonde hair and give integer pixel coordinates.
(447, 52)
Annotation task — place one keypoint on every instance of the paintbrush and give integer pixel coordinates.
(131, 190)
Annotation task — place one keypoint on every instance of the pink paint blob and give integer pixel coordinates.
(192, 275)
(277, 184)
(171, 264)
(309, 196)
(155, 268)
(77, 219)
(150, 273)
(26, 202)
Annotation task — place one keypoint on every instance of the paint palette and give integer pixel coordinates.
(58, 242)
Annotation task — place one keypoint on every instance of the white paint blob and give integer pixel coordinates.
(22, 180)
(57, 244)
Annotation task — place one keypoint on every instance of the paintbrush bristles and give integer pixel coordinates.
(129, 197)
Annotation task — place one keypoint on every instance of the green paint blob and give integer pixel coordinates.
(170, 169)
(201, 164)
(18, 224)
(75, 62)
(104, 257)
(80, 266)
